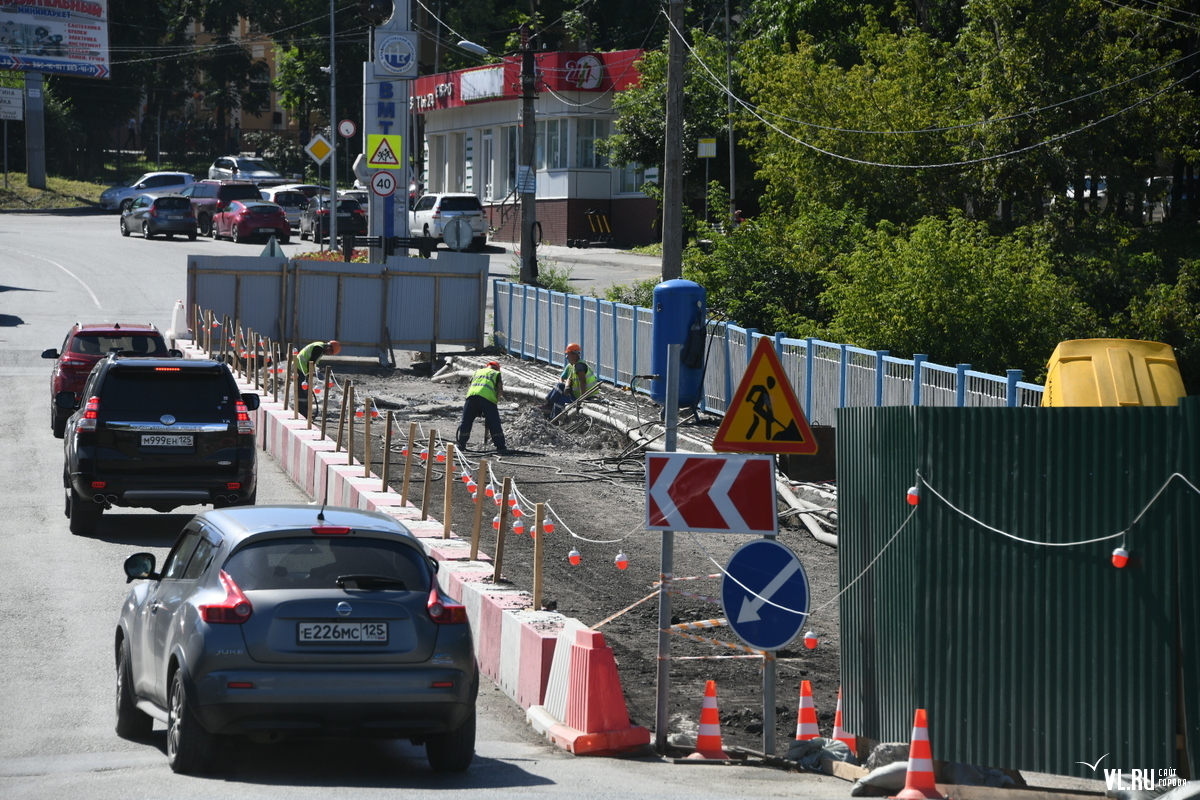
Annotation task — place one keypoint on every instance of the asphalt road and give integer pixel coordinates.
(61, 594)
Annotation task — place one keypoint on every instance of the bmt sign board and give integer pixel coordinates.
(763, 416)
(712, 493)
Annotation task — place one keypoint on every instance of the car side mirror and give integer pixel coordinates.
(174, 353)
(139, 566)
(66, 401)
(51, 353)
(233, 170)
(251, 400)
(433, 563)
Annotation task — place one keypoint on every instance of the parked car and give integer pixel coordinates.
(292, 201)
(87, 344)
(118, 198)
(363, 196)
(167, 214)
(245, 168)
(211, 197)
(314, 220)
(157, 433)
(433, 211)
(292, 621)
(243, 220)
(309, 190)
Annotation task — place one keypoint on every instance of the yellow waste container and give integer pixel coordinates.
(1113, 372)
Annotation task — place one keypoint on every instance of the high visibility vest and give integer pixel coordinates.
(571, 378)
(485, 383)
(305, 355)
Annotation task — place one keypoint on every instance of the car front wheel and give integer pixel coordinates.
(189, 746)
(453, 751)
(132, 722)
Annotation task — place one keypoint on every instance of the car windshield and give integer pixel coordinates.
(290, 198)
(461, 204)
(95, 344)
(172, 204)
(305, 561)
(153, 390)
(256, 164)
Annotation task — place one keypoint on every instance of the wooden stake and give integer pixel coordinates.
(287, 386)
(412, 438)
(538, 516)
(366, 437)
(386, 469)
(327, 379)
(428, 476)
(479, 498)
(499, 554)
(342, 415)
(350, 427)
(448, 500)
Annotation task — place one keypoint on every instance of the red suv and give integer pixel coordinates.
(84, 346)
(209, 198)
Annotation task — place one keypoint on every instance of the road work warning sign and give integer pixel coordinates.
(383, 150)
(764, 416)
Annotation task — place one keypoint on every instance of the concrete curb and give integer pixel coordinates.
(515, 644)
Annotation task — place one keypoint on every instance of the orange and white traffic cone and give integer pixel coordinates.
(708, 741)
(839, 732)
(920, 783)
(806, 723)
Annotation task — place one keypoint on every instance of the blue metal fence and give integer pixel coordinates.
(615, 338)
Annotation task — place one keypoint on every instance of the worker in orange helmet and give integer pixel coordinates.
(576, 379)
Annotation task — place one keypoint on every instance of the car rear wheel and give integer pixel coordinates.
(206, 226)
(146, 234)
(303, 234)
(189, 746)
(234, 235)
(453, 751)
(58, 423)
(132, 722)
(84, 514)
(192, 236)
(284, 239)
(124, 227)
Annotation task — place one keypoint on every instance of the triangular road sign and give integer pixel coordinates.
(763, 416)
(383, 150)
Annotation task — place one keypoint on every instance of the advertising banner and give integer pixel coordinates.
(63, 37)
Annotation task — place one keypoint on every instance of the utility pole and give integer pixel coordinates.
(672, 229)
(333, 137)
(527, 172)
(729, 111)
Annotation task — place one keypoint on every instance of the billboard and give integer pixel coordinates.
(63, 37)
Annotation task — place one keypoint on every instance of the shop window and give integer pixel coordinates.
(589, 132)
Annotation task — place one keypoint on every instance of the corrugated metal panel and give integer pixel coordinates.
(1026, 656)
(246, 288)
(1186, 579)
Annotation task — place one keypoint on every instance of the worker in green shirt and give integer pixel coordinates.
(576, 378)
(306, 361)
(482, 397)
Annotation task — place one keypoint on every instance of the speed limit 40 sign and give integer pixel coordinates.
(383, 184)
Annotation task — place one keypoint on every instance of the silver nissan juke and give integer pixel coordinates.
(276, 621)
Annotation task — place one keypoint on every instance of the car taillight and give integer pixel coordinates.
(90, 413)
(437, 214)
(444, 611)
(245, 424)
(330, 530)
(235, 608)
(74, 363)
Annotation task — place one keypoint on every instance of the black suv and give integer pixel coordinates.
(212, 197)
(157, 433)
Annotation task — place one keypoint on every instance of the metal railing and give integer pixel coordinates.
(537, 323)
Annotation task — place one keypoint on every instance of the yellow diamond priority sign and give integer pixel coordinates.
(763, 416)
(319, 148)
(383, 150)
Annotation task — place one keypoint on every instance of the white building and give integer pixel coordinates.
(472, 144)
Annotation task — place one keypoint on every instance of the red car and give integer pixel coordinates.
(243, 220)
(84, 346)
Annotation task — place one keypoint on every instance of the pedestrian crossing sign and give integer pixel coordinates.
(763, 416)
(383, 150)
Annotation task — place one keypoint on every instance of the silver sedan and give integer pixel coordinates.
(289, 620)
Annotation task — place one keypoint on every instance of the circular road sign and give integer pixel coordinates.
(458, 234)
(765, 594)
(347, 128)
(383, 183)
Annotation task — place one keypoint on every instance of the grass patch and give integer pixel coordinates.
(654, 249)
(59, 193)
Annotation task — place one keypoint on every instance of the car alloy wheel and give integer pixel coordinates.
(189, 746)
(124, 227)
(233, 233)
(146, 229)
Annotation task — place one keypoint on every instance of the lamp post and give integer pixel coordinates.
(527, 173)
(332, 131)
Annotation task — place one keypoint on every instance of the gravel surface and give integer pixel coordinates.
(592, 477)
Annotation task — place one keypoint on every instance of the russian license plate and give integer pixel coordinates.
(160, 440)
(342, 632)
(266, 230)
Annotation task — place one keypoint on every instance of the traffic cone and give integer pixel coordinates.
(920, 784)
(839, 733)
(708, 741)
(806, 722)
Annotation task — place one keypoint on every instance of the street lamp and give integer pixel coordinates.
(471, 47)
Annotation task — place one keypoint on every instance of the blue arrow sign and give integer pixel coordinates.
(765, 594)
